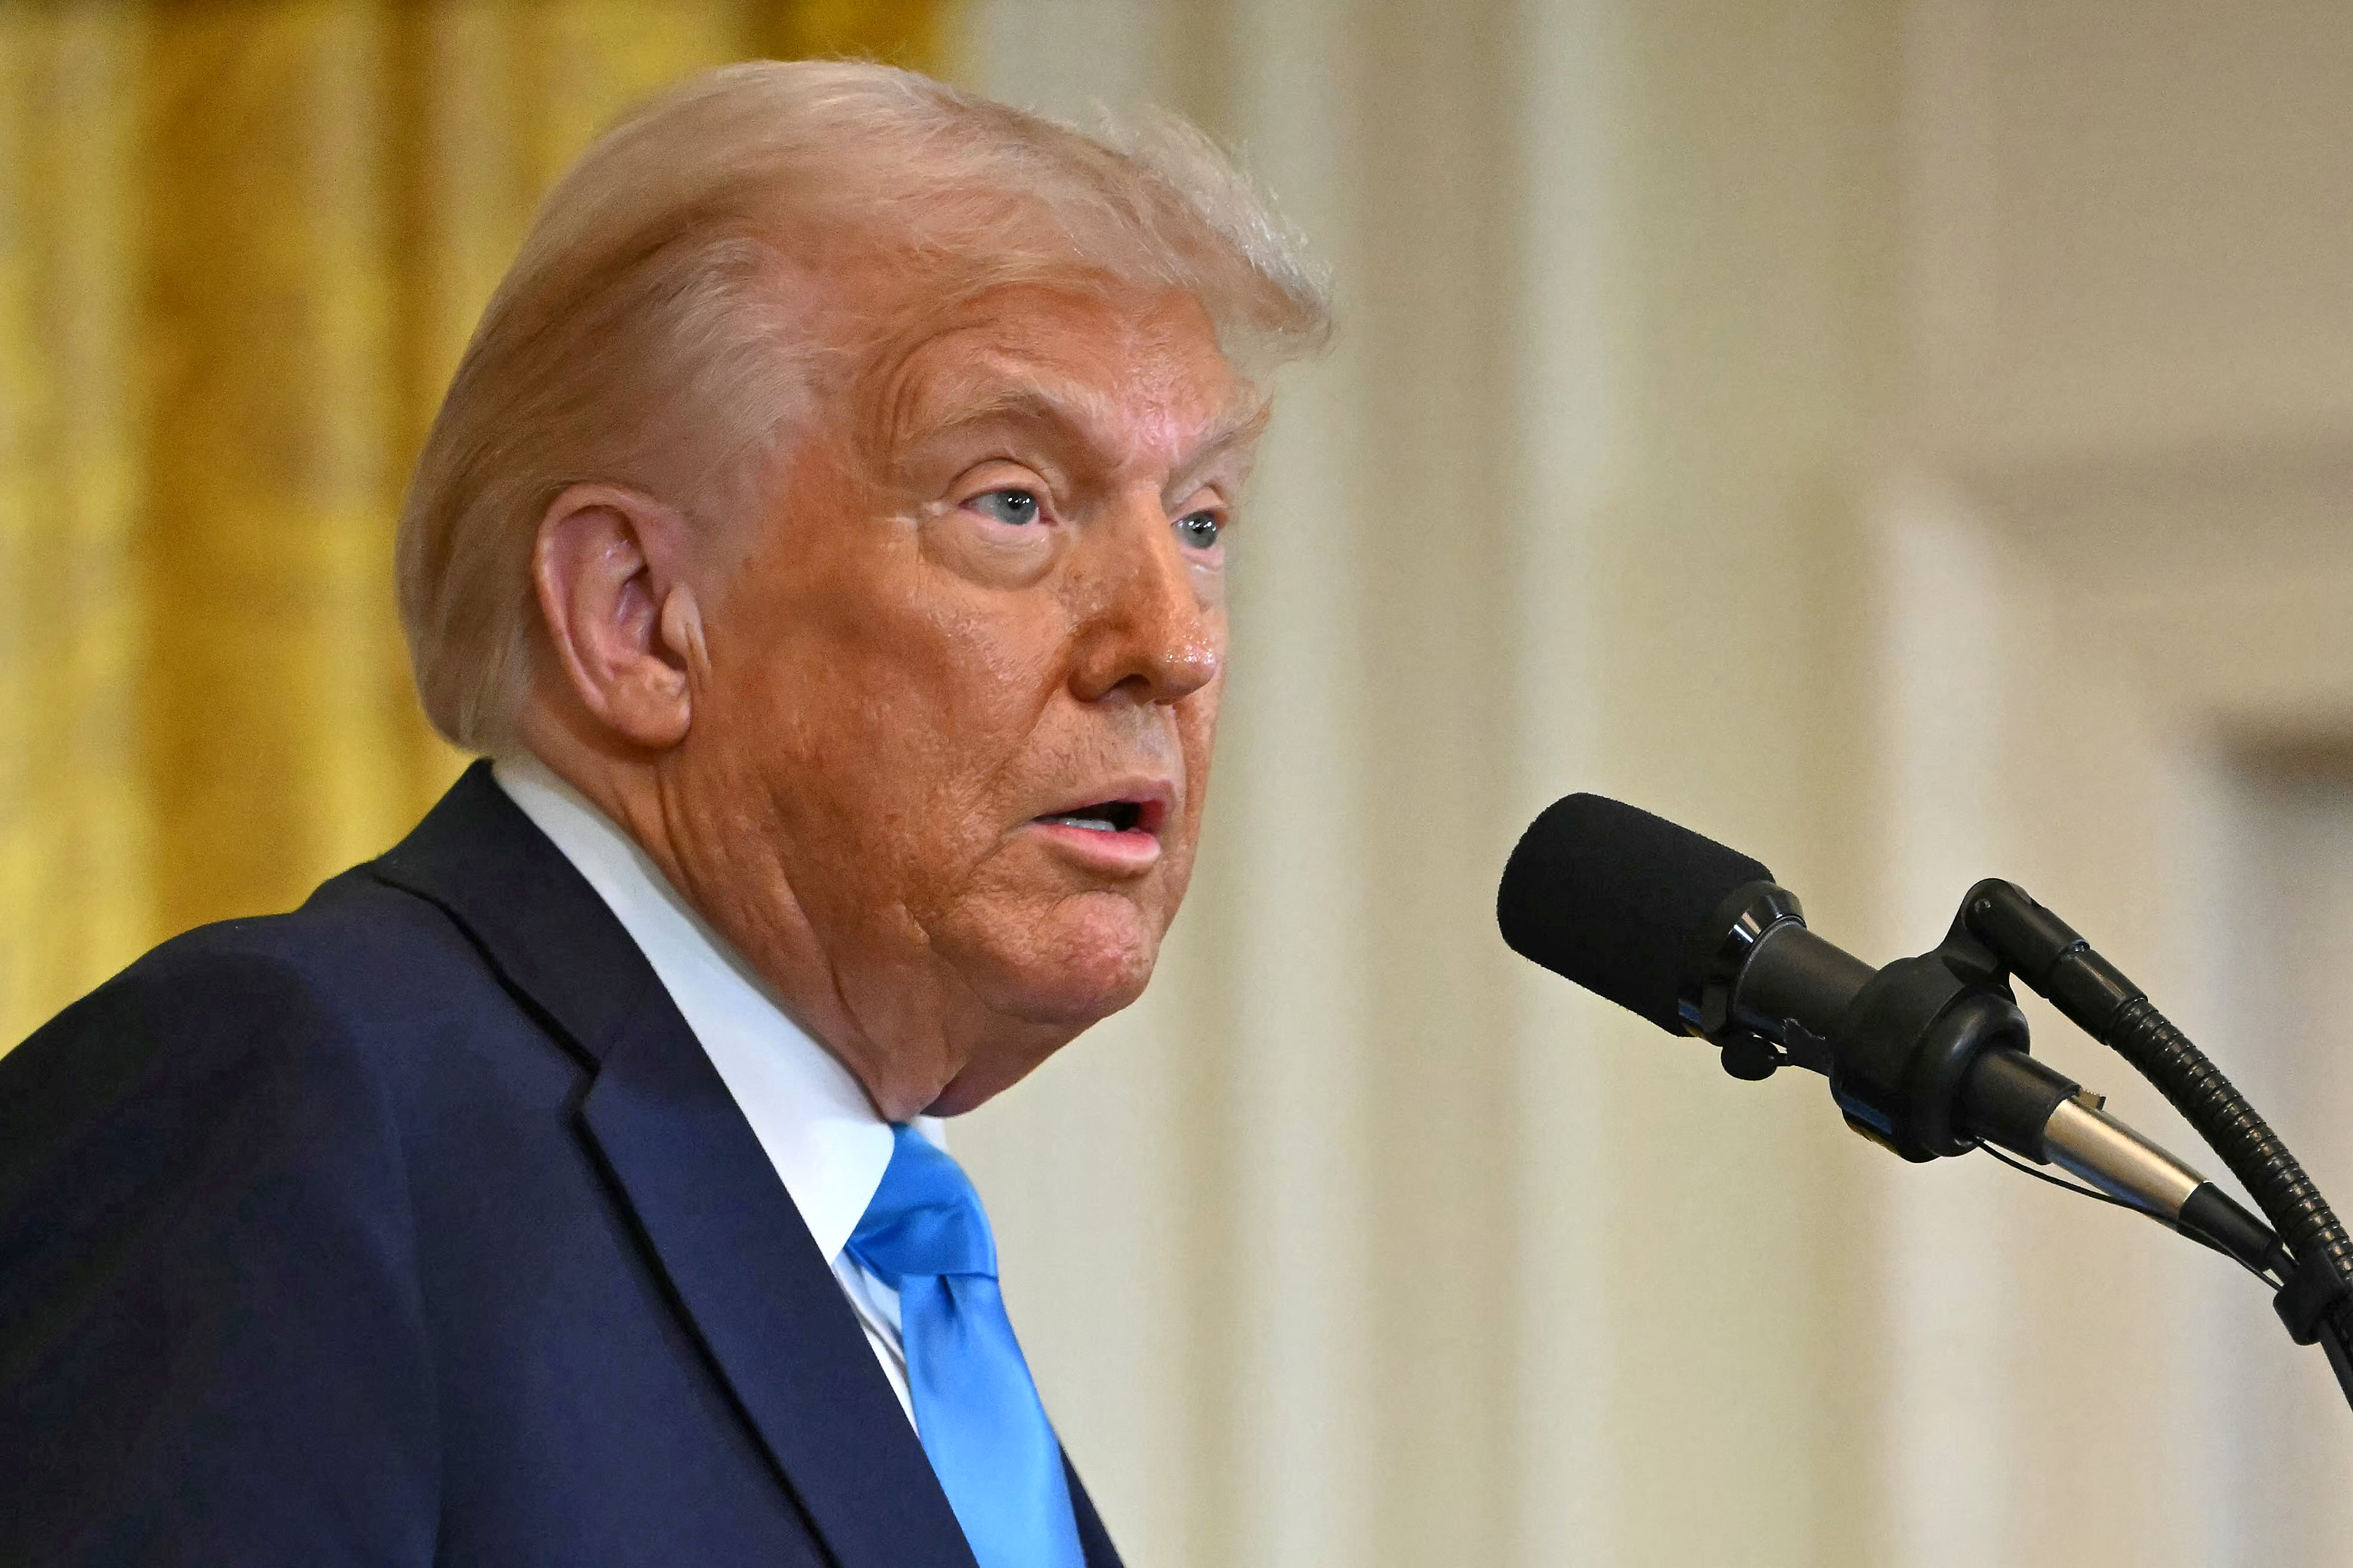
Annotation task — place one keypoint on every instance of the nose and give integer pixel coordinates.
(1145, 627)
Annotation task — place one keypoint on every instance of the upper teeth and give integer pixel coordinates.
(1092, 824)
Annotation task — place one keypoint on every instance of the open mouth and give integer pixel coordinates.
(1107, 816)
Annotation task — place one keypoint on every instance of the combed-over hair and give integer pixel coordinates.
(660, 327)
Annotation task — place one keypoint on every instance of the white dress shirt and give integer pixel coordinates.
(816, 1124)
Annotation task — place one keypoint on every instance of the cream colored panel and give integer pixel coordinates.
(2139, 219)
(2226, 582)
(1739, 229)
(1942, 1270)
(1568, 422)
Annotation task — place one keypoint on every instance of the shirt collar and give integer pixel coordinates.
(821, 1134)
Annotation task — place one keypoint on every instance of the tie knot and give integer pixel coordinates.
(924, 1219)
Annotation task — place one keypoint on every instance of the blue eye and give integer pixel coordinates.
(1198, 529)
(1016, 507)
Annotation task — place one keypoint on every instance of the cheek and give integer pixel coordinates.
(880, 702)
(1024, 939)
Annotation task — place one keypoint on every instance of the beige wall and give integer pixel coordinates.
(2131, 298)
(1910, 442)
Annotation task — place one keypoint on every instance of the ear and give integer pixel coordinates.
(621, 620)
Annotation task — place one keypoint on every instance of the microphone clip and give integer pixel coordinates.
(1900, 1042)
(2312, 1298)
(1751, 1056)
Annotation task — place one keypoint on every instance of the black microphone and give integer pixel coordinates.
(1697, 938)
(1925, 1056)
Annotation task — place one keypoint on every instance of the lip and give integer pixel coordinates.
(1131, 850)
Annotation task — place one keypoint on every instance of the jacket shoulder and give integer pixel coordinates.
(295, 999)
(206, 1228)
(353, 956)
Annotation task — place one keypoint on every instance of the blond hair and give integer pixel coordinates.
(660, 327)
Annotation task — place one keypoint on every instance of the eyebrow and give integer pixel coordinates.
(1076, 415)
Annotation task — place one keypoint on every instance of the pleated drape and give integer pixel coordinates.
(241, 247)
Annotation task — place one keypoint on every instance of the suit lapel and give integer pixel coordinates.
(766, 1304)
(751, 1284)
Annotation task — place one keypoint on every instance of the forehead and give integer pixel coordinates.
(1129, 369)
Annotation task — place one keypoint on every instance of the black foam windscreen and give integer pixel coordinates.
(1613, 899)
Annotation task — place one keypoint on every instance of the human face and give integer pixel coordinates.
(964, 683)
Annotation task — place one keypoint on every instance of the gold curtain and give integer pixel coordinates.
(241, 247)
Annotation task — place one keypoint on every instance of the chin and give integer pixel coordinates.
(1066, 963)
(1079, 990)
(1066, 976)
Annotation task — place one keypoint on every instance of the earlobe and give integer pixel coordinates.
(623, 628)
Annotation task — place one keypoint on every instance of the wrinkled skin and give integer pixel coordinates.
(988, 591)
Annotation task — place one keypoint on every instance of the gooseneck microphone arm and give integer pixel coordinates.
(2315, 1302)
(1928, 1057)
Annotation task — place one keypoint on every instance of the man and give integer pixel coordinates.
(825, 535)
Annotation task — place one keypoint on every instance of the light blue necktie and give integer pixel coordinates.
(977, 1411)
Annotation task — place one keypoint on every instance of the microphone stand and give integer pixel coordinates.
(2314, 1300)
(1929, 1059)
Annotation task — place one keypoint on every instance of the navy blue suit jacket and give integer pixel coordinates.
(414, 1227)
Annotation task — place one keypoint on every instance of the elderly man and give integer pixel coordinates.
(825, 535)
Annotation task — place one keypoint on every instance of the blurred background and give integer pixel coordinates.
(1909, 441)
